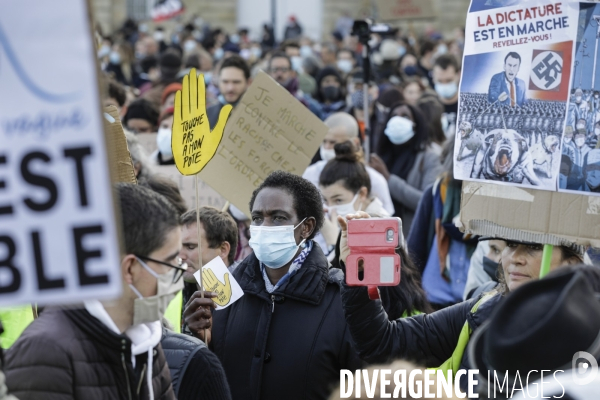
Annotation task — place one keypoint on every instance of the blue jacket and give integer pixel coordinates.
(498, 85)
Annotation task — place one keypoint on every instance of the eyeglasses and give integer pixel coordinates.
(280, 69)
(180, 268)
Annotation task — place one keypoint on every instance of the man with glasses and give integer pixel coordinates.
(280, 69)
(110, 349)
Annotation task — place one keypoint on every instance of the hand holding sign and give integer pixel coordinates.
(192, 141)
(223, 290)
(217, 278)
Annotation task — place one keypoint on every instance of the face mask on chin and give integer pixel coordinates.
(274, 246)
(151, 309)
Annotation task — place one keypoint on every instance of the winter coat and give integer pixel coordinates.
(428, 339)
(194, 368)
(68, 354)
(290, 344)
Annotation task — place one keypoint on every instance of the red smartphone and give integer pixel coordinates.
(373, 242)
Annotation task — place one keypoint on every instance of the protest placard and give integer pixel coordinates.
(514, 91)
(530, 215)
(207, 195)
(580, 162)
(218, 279)
(118, 152)
(269, 130)
(58, 236)
(391, 10)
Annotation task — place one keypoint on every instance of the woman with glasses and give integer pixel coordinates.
(439, 339)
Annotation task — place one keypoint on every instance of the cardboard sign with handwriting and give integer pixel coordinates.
(269, 130)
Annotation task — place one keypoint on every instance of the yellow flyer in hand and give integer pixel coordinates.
(218, 279)
(192, 141)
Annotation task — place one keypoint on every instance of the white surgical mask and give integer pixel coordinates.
(326, 154)
(580, 142)
(344, 65)
(274, 246)
(305, 51)
(446, 90)
(189, 45)
(163, 141)
(151, 309)
(159, 36)
(399, 130)
(256, 52)
(347, 208)
(103, 51)
(442, 49)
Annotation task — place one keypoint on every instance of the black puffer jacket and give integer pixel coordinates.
(68, 354)
(287, 345)
(194, 368)
(429, 339)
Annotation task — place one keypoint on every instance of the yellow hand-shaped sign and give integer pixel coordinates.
(212, 284)
(192, 141)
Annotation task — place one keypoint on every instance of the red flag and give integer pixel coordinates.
(166, 9)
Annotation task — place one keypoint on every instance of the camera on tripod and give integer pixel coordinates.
(364, 27)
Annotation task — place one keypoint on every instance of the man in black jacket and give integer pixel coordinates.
(110, 349)
(234, 79)
(286, 338)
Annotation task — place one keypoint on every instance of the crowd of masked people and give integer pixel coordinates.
(463, 302)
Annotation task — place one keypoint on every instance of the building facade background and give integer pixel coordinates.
(317, 16)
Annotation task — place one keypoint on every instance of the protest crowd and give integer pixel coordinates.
(462, 302)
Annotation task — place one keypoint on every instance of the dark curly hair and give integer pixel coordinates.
(307, 198)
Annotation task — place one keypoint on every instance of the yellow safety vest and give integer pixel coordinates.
(14, 321)
(451, 365)
(174, 310)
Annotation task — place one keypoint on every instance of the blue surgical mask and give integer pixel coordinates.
(401, 51)
(207, 77)
(296, 63)
(446, 90)
(399, 130)
(219, 53)
(274, 246)
(115, 58)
